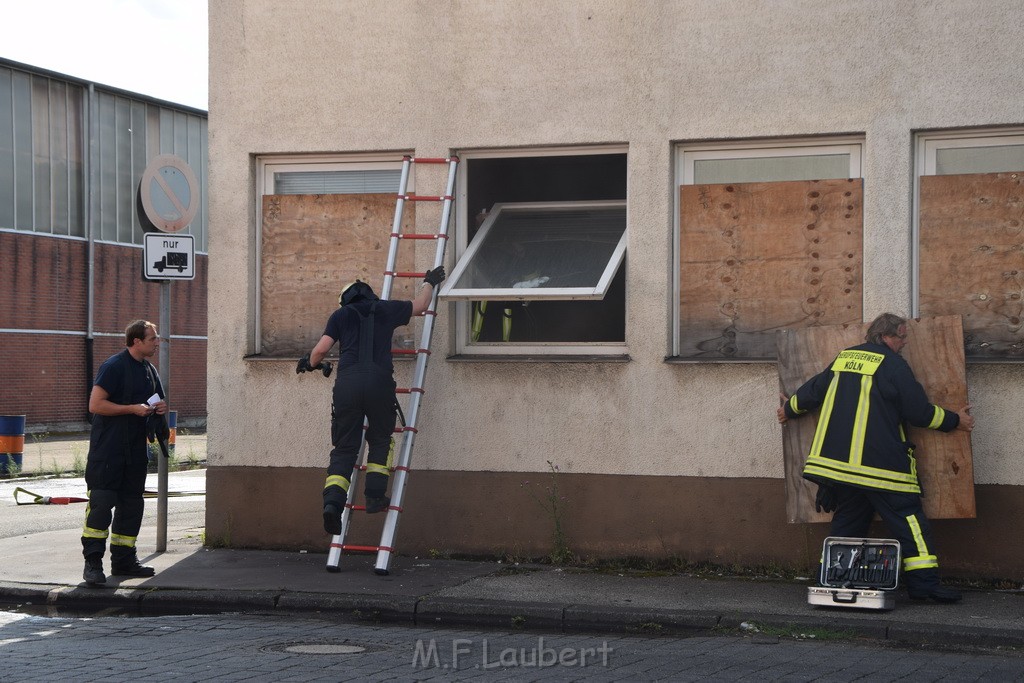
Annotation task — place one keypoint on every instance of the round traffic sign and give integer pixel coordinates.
(169, 193)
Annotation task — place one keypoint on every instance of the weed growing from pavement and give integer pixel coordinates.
(77, 461)
(791, 631)
(38, 438)
(553, 503)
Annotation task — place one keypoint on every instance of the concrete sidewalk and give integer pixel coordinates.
(45, 570)
(47, 454)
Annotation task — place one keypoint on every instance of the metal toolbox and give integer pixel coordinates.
(857, 572)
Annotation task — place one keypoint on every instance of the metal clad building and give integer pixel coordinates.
(72, 154)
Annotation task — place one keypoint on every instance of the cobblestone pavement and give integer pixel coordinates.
(230, 647)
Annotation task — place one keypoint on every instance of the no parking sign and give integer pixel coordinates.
(168, 194)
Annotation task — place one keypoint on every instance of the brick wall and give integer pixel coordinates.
(43, 283)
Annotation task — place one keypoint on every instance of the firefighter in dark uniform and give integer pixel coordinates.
(115, 471)
(861, 457)
(364, 388)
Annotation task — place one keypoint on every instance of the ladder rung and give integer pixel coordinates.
(432, 160)
(403, 274)
(410, 390)
(399, 430)
(409, 352)
(418, 236)
(424, 198)
(360, 548)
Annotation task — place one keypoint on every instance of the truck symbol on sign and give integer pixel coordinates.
(173, 259)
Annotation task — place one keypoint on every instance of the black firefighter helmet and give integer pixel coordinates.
(356, 291)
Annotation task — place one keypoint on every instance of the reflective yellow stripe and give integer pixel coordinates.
(920, 562)
(479, 308)
(126, 541)
(371, 468)
(823, 418)
(391, 454)
(860, 421)
(937, 419)
(860, 362)
(793, 406)
(869, 482)
(506, 324)
(872, 472)
(89, 532)
(915, 531)
(336, 480)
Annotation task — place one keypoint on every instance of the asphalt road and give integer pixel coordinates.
(232, 647)
(18, 520)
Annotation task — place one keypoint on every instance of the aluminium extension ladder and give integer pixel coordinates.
(422, 352)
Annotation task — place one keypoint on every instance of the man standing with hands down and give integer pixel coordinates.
(861, 457)
(125, 399)
(364, 388)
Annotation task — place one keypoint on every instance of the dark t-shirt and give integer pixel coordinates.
(120, 438)
(343, 327)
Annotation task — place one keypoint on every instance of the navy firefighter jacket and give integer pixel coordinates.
(866, 395)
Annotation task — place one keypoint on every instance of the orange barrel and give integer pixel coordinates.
(12, 443)
(172, 425)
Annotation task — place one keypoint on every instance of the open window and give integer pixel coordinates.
(969, 231)
(547, 251)
(541, 246)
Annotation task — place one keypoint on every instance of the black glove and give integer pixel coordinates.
(326, 368)
(435, 277)
(303, 365)
(157, 428)
(825, 501)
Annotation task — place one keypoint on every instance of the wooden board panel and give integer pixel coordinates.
(944, 460)
(757, 257)
(312, 245)
(972, 258)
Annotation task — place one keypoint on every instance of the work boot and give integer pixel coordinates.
(93, 573)
(332, 519)
(940, 594)
(376, 504)
(129, 566)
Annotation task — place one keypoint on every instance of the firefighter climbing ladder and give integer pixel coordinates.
(422, 352)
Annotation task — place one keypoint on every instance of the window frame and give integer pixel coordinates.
(926, 147)
(598, 291)
(686, 153)
(461, 319)
(269, 164)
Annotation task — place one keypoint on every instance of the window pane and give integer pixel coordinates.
(766, 169)
(22, 151)
(337, 182)
(123, 190)
(59, 156)
(545, 249)
(41, 151)
(76, 153)
(139, 161)
(6, 151)
(996, 159)
(108, 169)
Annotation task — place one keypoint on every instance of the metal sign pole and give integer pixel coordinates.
(165, 380)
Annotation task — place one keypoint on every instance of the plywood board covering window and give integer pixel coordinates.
(945, 464)
(758, 257)
(972, 258)
(311, 246)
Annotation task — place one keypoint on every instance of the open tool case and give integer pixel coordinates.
(857, 572)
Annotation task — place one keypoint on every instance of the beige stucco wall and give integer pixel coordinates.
(439, 77)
